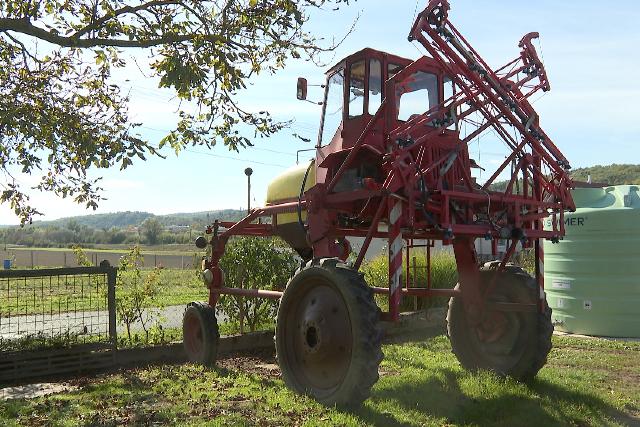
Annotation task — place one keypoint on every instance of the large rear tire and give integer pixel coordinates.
(328, 341)
(200, 335)
(514, 344)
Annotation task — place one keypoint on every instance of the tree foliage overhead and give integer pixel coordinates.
(61, 113)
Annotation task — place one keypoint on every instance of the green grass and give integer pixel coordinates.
(586, 382)
(181, 287)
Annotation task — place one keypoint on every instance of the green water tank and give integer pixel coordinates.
(592, 277)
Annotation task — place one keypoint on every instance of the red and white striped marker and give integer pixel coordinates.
(395, 257)
(541, 266)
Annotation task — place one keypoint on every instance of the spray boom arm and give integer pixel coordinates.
(500, 97)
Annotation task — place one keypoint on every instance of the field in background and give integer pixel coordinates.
(586, 382)
(168, 256)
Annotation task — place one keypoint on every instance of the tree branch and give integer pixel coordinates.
(122, 11)
(24, 26)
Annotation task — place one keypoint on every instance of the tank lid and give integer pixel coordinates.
(618, 196)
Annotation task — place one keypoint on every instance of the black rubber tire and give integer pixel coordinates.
(360, 367)
(531, 331)
(201, 316)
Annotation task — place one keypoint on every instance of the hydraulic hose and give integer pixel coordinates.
(304, 183)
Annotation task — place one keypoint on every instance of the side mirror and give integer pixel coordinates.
(301, 93)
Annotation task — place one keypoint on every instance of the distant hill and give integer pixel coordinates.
(135, 219)
(610, 174)
(108, 220)
(203, 218)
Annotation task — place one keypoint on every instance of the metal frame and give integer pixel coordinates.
(426, 190)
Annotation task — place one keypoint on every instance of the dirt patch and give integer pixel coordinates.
(31, 391)
(387, 372)
(262, 363)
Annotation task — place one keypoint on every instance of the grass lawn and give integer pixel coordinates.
(178, 287)
(586, 382)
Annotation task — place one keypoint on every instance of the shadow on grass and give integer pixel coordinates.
(440, 399)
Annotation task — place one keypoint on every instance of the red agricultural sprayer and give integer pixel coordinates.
(392, 162)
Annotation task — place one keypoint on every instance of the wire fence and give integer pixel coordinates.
(57, 307)
(56, 321)
(63, 307)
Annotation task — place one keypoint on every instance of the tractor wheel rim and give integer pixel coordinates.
(319, 338)
(498, 333)
(193, 337)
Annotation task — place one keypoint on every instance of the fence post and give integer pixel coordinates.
(111, 296)
(31, 259)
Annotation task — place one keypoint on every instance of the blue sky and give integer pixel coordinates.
(590, 50)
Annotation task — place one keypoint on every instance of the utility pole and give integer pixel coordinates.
(248, 172)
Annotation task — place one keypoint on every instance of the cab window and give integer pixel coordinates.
(356, 89)
(449, 91)
(375, 85)
(333, 106)
(416, 95)
(449, 88)
(393, 69)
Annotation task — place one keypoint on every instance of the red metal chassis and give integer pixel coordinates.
(426, 191)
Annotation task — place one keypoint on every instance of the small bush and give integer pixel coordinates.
(444, 275)
(81, 257)
(254, 263)
(527, 260)
(136, 293)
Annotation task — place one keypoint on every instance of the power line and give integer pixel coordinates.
(236, 159)
(252, 148)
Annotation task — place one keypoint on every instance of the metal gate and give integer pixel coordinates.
(56, 321)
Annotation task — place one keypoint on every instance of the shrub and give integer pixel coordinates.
(254, 263)
(81, 257)
(527, 260)
(135, 291)
(444, 275)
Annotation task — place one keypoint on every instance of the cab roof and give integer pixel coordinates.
(368, 52)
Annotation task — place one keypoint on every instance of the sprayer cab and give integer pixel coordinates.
(357, 86)
(368, 95)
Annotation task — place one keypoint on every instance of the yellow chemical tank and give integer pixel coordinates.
(286, 188)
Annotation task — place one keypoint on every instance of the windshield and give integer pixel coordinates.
(333, 107)
(416, 95)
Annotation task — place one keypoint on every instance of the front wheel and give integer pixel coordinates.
(200, 333)
(328, 342)
(512, 343)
